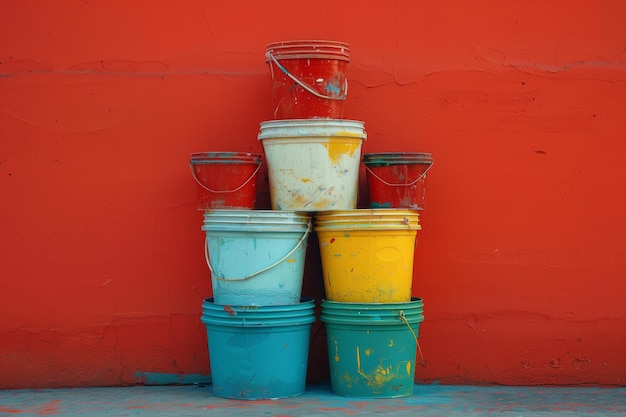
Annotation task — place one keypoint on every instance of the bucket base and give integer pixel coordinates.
(258, 353)
(259, 364)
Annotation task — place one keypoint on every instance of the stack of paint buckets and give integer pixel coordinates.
(256, 257)
(258, 324)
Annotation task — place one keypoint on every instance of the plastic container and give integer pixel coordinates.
(308, 78)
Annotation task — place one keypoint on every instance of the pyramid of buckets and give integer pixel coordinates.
(258, 323)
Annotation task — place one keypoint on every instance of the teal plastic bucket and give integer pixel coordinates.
(256, 257)
(258, 353)
(372, 347)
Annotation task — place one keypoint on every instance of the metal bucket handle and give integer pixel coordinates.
(223, 191)
(402, 318)
(208, 259)
(400, 185)
(308, 88)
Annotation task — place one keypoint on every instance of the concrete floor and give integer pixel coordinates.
(428, 400)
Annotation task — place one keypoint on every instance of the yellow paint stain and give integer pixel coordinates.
(306, 180)
(298, 200)
(380, 376)
(338, 147)
(383, 375)
(358, 367)
(336, 350)
(390, 344)
(290, 261)
(408, 368)
(321, 203)
(368, 351)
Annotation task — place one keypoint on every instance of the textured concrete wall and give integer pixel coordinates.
(521, 259)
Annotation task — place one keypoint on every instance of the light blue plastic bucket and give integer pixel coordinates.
(372, 347)
(256, 257)
(258, 352)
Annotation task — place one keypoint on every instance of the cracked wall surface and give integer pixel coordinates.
(521, 257)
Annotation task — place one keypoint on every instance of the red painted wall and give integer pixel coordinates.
(522, 257)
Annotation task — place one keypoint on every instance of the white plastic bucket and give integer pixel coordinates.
(313, 164)
(256, 257)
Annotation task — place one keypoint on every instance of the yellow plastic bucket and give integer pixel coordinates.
(367, 254)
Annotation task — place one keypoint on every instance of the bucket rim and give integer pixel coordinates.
(308, 48)
(292, 42)
(311, 128)
(265, 229)
(203, 157)
(367, 321)
(398, 155)
(267, 219)
(348, 304)
(397, 159)
(361, 227)
(255, 222)
(371, 211)
(311, 122)
(368, 219)
(387, 313)
(255, 213)
(304, 304)
(253, 324)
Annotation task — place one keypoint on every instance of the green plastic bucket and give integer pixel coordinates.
(258, 353)
(372, 347)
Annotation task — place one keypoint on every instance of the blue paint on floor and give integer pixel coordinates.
(428, 400)
(157, 378)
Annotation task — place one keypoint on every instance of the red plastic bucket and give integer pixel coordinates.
(397, 180)
(308, 78)
(226, 180)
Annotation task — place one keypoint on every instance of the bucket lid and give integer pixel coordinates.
(397, 158)
(298, 49)
(224, 157)
(301, 128)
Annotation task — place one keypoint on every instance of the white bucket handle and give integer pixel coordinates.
(208, 259)
(402, 318)
(308, 88)
(399, 185)
(223, 191)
